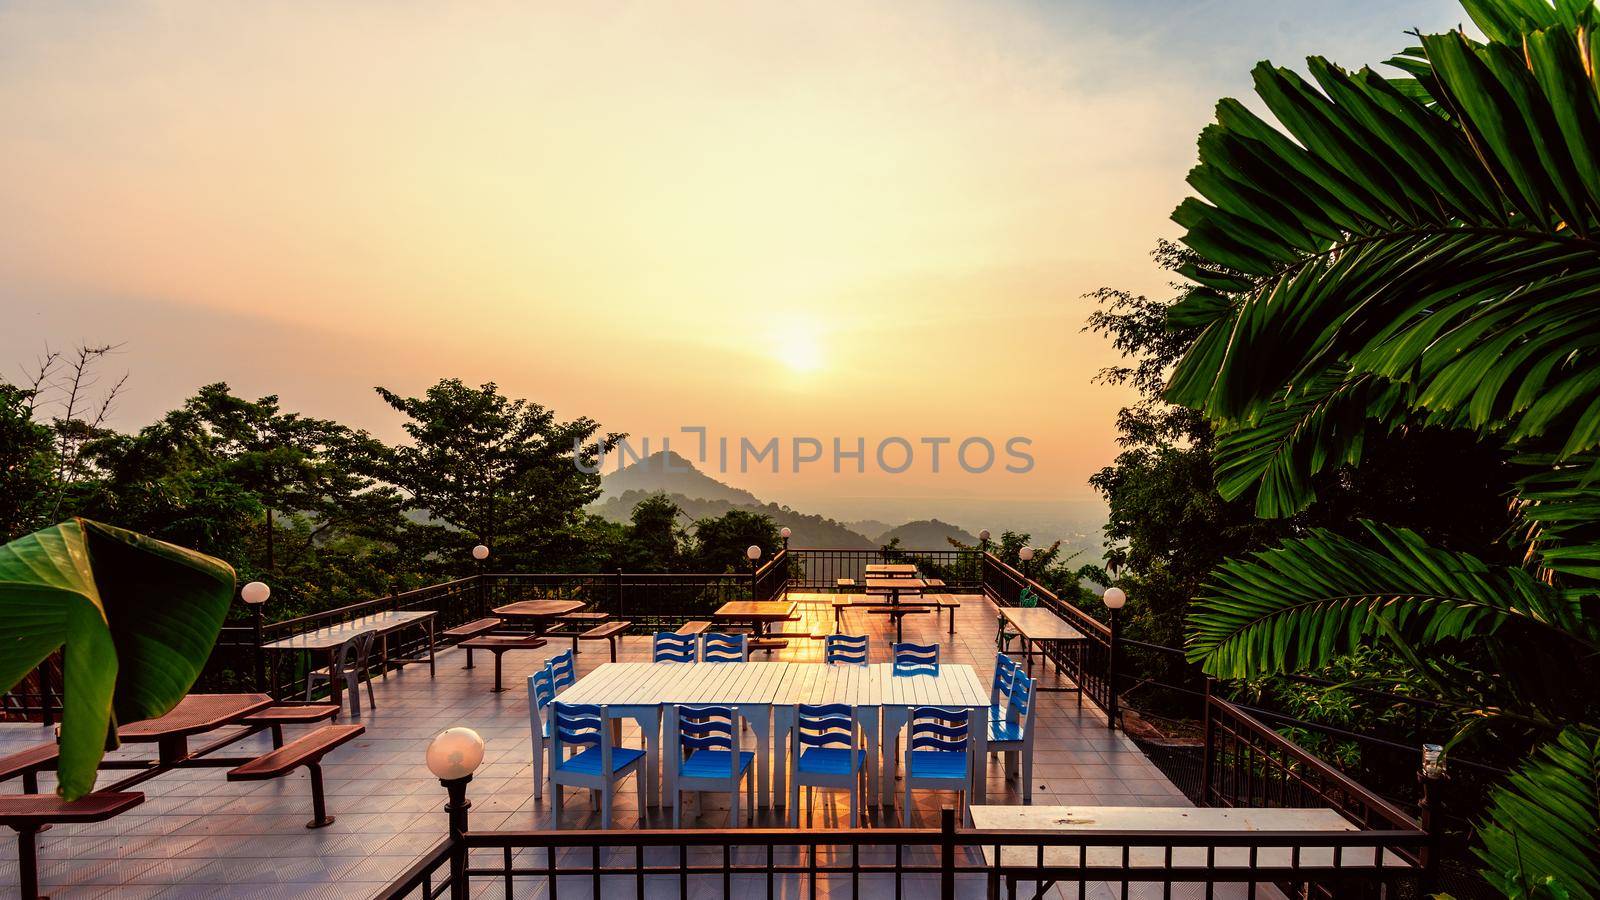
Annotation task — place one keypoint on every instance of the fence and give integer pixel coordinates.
(820, 569)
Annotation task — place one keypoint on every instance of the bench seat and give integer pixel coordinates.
(698, 626)
(498, 644)
(471, 629)
(306, 750)
(28, 764)
(27, 814)
(283, 714)
(608, 631)
(767, 644)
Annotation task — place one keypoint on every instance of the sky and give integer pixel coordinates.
(831, 220)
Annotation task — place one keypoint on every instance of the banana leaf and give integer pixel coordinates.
(136, 619)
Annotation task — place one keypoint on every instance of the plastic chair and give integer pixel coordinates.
(1005, 671)
(599, 766)
(350, 664)
(1013, 735)
(722, 648)
(826, 750)
(848, 649)
(670, 646)
(564, 666)
(916, 659)
(707, 757)
(938, 753)
(541, 693)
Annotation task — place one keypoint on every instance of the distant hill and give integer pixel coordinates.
(927, 534)
(667, 472)
(808, 530)
(872, 528)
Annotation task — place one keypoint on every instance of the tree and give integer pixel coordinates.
(720, 543)
(656, 542)
(25, 463)
(1416, 253)
(485, 468)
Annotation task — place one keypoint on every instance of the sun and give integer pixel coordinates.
(802, 353)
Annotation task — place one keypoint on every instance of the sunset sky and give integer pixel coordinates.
(769, 219)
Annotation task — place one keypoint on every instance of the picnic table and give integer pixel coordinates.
(194, 714)
(1062, 862)
(537, 613)
(893, 586)
(906, 569)
(756, 613)
(330, 638)
(1038, 625)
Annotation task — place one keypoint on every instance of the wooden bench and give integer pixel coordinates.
(945, 602)
(698, 626)
(840, 604)
(498, 644)
(306, 750)
(844, 583)
(28, 814)
(464, 633)
(577, 624)
(610, 631)
(768, 644)
(28, 763)
(275, 717)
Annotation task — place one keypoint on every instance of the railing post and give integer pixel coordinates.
(1431, 775)
(261, 655)
(45, 711)
(947, 853)
(1111, 675)
(620, 610)
(1207, 749)
(456, 809)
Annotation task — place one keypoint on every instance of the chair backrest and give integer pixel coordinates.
(846, 648)
(542, 685)
(825, 725)
(939, 728)
(565, 669)
(705, 728)
(578, 723)
(719, 648)
(1019, 703)
(1005, 671)
(352, 654)
(916, 659)
(669, 646)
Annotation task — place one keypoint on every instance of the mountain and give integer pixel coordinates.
(869, 527)
(928, 534)
(808, 530)
(667, 472)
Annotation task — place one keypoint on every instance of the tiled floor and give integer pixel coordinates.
(198, 835)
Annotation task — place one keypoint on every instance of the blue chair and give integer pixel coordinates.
(1013, 735)
(723, 648)
(599, 766)
(847, 649)
(670, 646)
(708, 758)
(916, 659)
(564, 666)
(938, 753)
(825, 747)
(541, 693)
(1005, 670)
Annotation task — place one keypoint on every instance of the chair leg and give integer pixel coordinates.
(677, 810)
(555, 801)
(794, 803)
(733, 807)
(538, 766)
(319, 805)
(1027, 775)
(855, 803)
(605, 805)
(907, 815)
(638, 793)
(353, 688)
(497, 687)
(370, 700)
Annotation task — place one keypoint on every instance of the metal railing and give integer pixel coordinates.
(1086, 662)
(819, 570)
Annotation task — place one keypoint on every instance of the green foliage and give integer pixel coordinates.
(1542, 835)
(138, 618)
(721, 542)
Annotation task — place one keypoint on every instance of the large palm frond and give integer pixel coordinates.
(1541, 837)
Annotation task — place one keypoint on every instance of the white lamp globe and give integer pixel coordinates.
(753, 552)
(455, 753)
(1025, 554)
(1114, 598)
(983, 535)
(480, 552)
(255, 593)
(785, 532)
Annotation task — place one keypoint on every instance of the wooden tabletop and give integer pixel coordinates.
(891, 569)
(537, 609)
(332, 636)
(194, 714)
(895, 583)
(1038, 624)
(1169, 818)
(756, 610)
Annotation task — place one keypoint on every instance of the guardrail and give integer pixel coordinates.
(819, 570)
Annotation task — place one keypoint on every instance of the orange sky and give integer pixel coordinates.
(832, 219)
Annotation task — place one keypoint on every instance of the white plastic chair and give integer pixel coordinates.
(724, 648)
(1013, 735)
(826, 748)
(599, 766)
(350, 665)
(541, 693)
(706, 757)
(938, 753)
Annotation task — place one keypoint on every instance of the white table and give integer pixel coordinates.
(1171, 818)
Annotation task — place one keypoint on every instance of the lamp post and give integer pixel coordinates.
(1114, 598)
(1026, 555)
(452, 757)
(753, 553)
(255, 596)
(481, 553)
(983, 541)
(1432, 772)
(785, 532)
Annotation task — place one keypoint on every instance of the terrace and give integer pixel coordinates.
(198, 834)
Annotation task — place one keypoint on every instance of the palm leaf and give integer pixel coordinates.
(137, 618)
(1299, 605)
(1541, 834)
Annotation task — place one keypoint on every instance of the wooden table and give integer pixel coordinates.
(194, 714)
(758, 613)
(329, 639)
(893, 585)
(1061, 862)
(906, 569)
(538, 613)
(1037, 625)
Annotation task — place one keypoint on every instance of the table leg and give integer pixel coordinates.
(649, 719)
(759, 717)
(383, 656)
(783, 718)
(870, 727)
(894, 720)
(670, 769)
(978, 729)
(430, 647)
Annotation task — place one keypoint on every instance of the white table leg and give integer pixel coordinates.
(783, 719)
(649, 719)
(894, 721)
(760, 718)
(870, 728)
(978, 728)
(671, 769)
